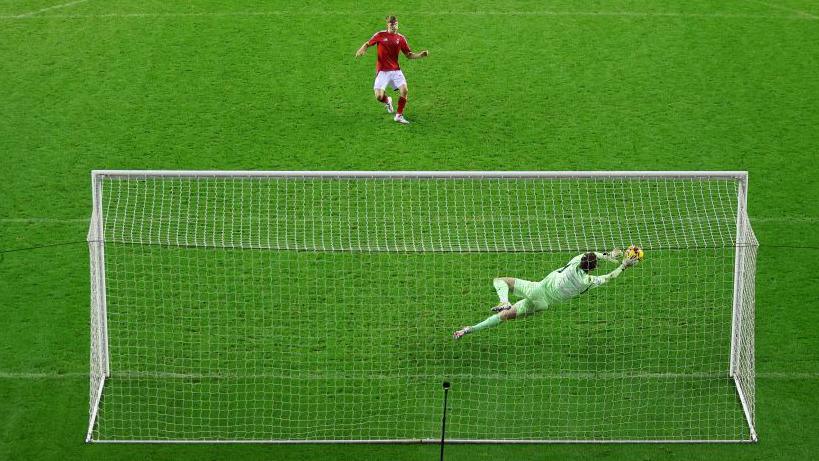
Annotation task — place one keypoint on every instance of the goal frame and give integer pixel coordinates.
(99, 302)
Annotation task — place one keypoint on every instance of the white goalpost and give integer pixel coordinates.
(319, 306)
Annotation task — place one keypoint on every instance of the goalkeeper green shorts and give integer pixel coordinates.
(534, 297)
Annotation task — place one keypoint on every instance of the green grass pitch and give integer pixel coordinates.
(514, 85)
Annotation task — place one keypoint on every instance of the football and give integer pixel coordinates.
(635, 252)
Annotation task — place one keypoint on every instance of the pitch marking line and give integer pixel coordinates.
(798, 15)
(44, 220)
(774, 375)
(785, 8)
(63, 5)
(754, 220)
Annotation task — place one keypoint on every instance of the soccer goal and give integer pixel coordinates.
(307, 306)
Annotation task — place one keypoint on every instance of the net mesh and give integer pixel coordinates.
(322, 308)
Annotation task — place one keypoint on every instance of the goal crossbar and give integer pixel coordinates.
(739, 175)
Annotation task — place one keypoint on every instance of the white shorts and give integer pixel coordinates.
(394, 78)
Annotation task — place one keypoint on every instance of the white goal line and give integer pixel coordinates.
(756, 219)
(774, 375)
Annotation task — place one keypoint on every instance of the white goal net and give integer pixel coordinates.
(320, 306)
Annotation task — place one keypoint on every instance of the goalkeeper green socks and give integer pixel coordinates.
(490, 322)
(503, 294)
(503, 290)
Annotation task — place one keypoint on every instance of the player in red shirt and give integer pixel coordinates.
(390, 42)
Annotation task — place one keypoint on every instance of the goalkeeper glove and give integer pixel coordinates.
(628, 262)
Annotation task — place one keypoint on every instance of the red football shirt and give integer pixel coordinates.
(388, 47)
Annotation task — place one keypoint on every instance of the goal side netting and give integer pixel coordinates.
(320, 306)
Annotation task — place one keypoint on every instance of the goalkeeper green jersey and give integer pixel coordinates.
(570, 280)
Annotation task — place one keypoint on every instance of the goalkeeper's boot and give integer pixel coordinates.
(460, 333)
(388, 105)
(502, 307)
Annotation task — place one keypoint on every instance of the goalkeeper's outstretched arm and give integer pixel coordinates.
(610, 256)
(600, 280)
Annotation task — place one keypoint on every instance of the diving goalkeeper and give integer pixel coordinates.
(565, 283)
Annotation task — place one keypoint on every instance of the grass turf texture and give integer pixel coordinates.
(575, 373)
(520, 85)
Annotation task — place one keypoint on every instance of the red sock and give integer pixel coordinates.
(382, 98)
(401, 103)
